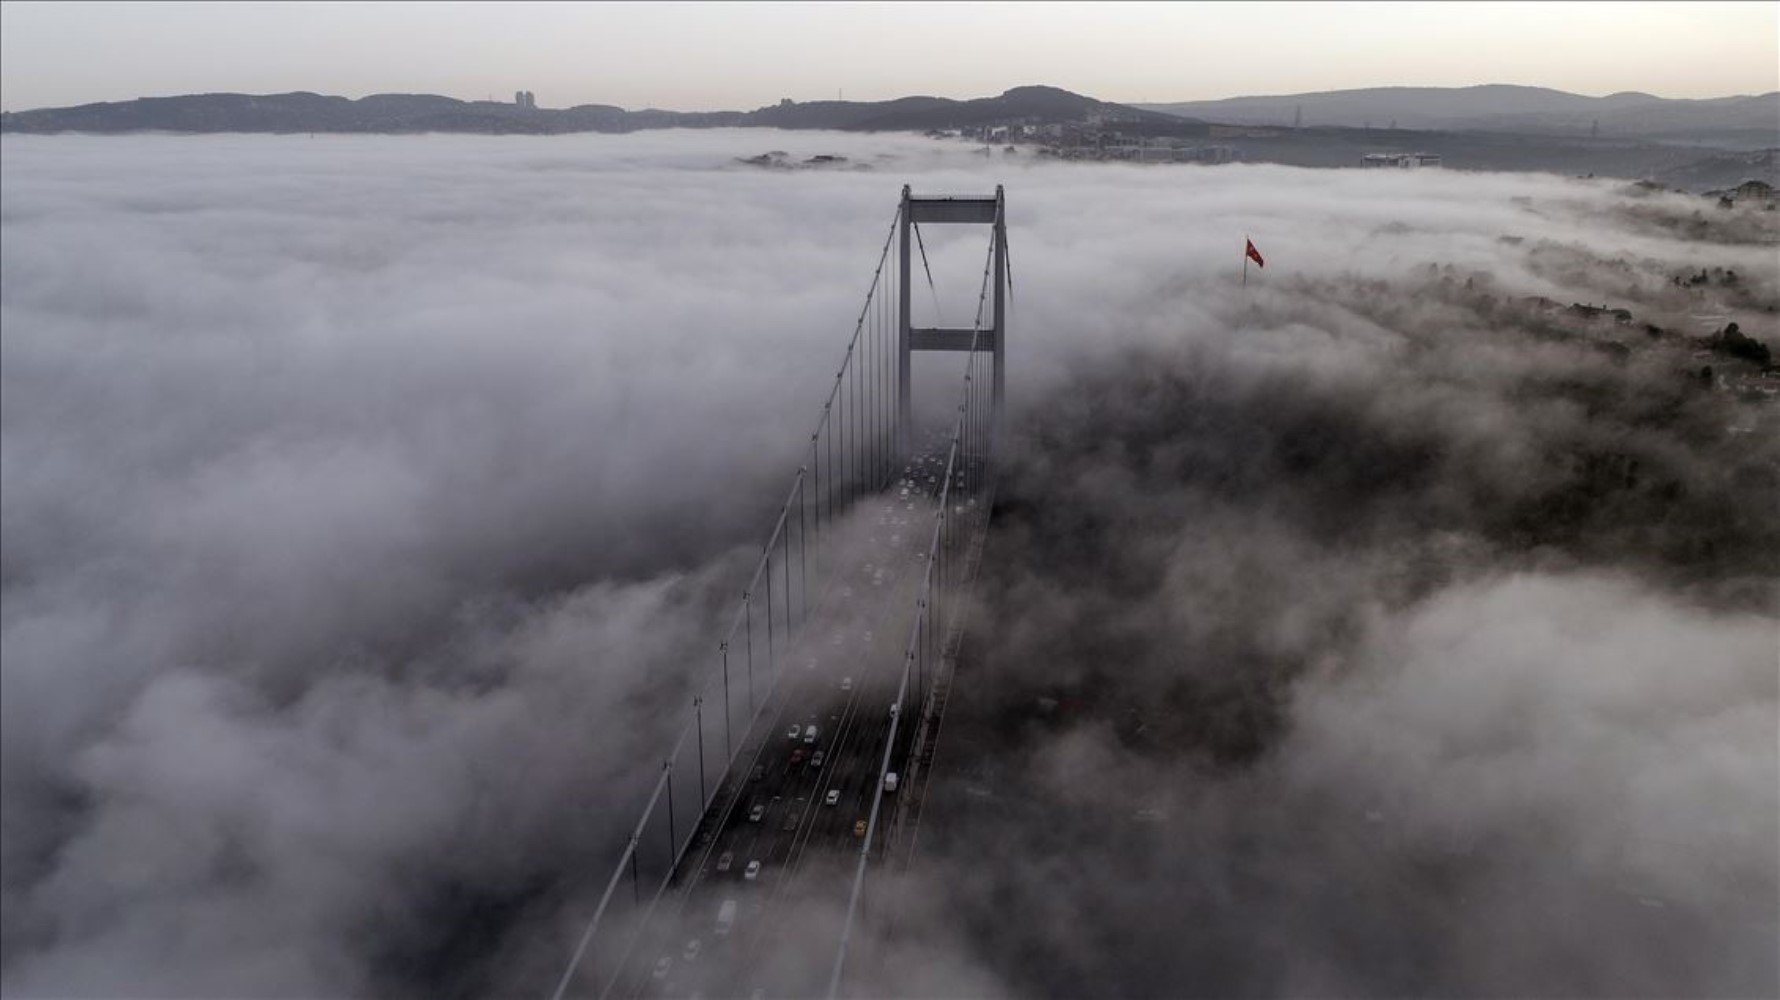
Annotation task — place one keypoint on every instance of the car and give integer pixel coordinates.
(724, 860)
(809, 734)
(816, 758)
(834, 797)
(662, 967)
(759, 772)
(691, 952)
(890, 782)
(752, 872)
(797, 755)
(755, 813)
(791, 733)
(859, 828)
(846, 683)
(791, 819)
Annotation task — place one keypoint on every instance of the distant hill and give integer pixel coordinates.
(307, 112)
(1747, 122)
(1033, 104)
(394, 113)
(1688, 167)
(1698, 145)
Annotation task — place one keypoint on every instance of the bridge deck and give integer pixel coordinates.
(843, 680)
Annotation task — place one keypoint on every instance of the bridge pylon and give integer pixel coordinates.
(990, 338)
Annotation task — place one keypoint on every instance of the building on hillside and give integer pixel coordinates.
(1404, 161)
(1240, 132)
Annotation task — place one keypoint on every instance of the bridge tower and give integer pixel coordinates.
(981, 210)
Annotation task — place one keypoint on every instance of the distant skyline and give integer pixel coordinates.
(701, 56)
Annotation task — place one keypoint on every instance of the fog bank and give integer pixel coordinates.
(368, 504)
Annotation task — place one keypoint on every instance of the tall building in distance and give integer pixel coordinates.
(524, 99)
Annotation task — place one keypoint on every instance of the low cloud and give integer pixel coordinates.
(369, 502)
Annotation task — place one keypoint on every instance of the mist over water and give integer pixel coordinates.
(369, 503)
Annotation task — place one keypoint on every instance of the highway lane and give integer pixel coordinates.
(852, 770)
(903, 528)
(861, 639)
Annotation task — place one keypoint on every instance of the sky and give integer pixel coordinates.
(696, 56)
(358, 555)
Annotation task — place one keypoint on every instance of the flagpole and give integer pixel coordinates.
(1245, 260)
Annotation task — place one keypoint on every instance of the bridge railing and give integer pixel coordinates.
(850, 453)
(965, 497)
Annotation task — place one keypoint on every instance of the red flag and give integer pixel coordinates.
(1253, 254)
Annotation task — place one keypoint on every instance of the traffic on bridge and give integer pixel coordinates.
(801, 795)
(804, 745)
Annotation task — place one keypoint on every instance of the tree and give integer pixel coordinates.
(1735, 343)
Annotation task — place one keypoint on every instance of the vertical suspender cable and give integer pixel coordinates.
(810, 503)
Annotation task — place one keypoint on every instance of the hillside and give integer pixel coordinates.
(1745, 122)
(1696, 164)
(396, 113)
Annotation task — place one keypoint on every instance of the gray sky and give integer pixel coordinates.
(696, 56)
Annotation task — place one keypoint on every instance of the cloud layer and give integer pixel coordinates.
(368, 501)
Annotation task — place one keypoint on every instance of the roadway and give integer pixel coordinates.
(774, 809)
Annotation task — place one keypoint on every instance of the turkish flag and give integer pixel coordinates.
(1253, 254)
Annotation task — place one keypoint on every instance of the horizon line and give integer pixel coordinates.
(655, 107)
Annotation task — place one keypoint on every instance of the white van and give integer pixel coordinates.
(725, 917)
(890, 782)
(809, 735)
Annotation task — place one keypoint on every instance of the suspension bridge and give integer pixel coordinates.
(799, 772)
